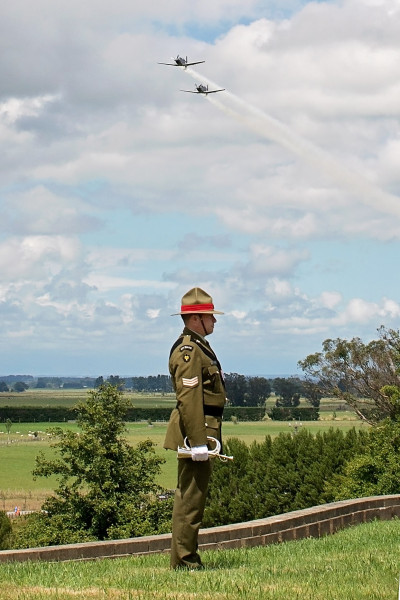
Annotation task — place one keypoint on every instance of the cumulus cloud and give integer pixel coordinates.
(269, 261)
(119, 192)
(40, 211)
(36, 256)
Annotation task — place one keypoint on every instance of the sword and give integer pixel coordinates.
(186, 451)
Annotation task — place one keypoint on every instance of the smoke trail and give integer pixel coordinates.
(276, 131)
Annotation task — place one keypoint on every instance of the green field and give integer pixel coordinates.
(68, 398)
(18, 452)
(358, 563)
(19, 449)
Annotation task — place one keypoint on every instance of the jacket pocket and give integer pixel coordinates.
(212, 379)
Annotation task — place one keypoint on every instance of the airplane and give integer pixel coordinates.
(203, 89)
(182, 62)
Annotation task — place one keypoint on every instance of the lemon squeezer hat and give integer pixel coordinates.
(197, 301)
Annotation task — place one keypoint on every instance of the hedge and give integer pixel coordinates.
(60, 414)
(289, 413)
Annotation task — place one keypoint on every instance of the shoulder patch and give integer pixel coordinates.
(186, 347)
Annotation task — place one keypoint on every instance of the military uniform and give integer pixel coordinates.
(200, 392)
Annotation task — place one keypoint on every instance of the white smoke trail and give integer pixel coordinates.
(276, 131)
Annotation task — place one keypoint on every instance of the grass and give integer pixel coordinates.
(18, 452)
(68, 398)
(17, 458)
(358, 563)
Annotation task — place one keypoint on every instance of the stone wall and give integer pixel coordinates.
(310, 522)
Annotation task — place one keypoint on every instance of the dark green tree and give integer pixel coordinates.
(258, 390)
(3, 387)
(106, 488)
(116, 381)
(49, 382)
(99, 381)
(312, 393)
(288, 390)
(20, 386)
(236, 388)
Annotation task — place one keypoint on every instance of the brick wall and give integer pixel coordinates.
(310, 522)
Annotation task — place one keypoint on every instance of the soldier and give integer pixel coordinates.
(200, 392)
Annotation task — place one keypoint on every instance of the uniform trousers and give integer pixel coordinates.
(189, 502)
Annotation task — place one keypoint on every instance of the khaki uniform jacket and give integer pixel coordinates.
(200, 392)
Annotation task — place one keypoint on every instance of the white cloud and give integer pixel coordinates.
(344, 318)
(360, 311)
(106, 283)
(38, 256)
(279, 288)
(267, 261)
(118, 191)
(16, 108)
(330, 299)
(40, 211)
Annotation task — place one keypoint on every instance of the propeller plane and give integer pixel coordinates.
(202, 89)
(179, 61)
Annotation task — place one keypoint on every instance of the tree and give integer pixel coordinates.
(3, 387)
(288, 391)
(366, 376)
(247, 391)
(20, 386)
(236, 388)
(106, 488)
(312, 393)
(49, 382)
(259, 389)
(116, 381)
(99, 381)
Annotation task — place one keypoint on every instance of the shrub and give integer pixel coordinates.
(5, 530)
(375, 470)
(278, 475)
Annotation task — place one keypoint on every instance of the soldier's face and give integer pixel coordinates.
(209, 321)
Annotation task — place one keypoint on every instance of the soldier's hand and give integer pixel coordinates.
(199, 453)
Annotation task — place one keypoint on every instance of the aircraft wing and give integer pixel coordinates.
(203, 93)
(184, 65)
(199, 62)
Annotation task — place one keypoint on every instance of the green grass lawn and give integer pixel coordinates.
(359, 563)
(68, 398)
(17, 458)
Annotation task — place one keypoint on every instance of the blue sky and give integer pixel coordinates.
(280, 196)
